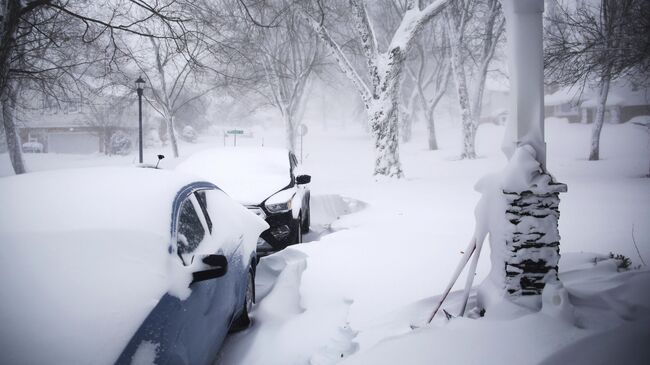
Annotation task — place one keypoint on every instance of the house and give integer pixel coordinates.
(71, 132)
(624, 102)
(496, 101)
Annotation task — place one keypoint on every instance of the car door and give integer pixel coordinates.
(231, 242)
(188, 330)
(207, 311)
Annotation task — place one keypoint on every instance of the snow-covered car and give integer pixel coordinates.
(121, 265)
(265, 180)
(33, 147)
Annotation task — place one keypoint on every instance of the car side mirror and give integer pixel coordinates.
(218, 267)
(303, 179)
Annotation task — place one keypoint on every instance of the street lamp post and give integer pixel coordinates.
(140, 87)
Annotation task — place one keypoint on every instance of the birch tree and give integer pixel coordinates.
(289, 53)
(465, 19)
(595, 43)
(379, 84)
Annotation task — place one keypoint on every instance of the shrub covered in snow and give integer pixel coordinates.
(189, 134)
(120, 143)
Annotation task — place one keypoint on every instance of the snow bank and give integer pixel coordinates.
(94, 198)
(287, 322)
(611, 309)
(327, 209)
(280, 316)
(77, 297)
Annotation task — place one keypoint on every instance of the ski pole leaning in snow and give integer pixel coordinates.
(461, 265)
(471, 272)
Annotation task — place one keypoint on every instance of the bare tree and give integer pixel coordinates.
(106, 107)
(490, 30)
(288, 54)
(379, 89)
(596, 42)
(36, 39)
(430, 72)
(9, 100)
(169, 72)
(472, 25)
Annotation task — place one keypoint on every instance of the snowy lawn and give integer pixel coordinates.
(380, 251)
(355, 291)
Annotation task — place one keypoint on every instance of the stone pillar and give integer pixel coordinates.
(531, 218)
(532, 238)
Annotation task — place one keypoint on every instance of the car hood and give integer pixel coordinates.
(251, 193)
(77, 297)
(248, 175)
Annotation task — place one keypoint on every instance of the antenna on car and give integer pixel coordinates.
(160, 157)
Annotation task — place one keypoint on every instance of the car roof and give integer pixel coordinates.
(106, 198)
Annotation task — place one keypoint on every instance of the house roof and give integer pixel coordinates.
(55, 120)
(620, 93)
(77, 120)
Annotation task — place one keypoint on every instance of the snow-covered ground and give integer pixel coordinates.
(381, 251)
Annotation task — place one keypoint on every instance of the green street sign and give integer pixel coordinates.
(235, 131)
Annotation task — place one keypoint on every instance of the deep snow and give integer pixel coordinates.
(364, 278)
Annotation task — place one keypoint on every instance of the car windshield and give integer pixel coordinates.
(248, 175)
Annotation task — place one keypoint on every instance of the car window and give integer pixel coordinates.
(190, 230)
(200, 197)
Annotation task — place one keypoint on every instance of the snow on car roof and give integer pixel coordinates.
(84, 260)
(113, 198)
(248, 174)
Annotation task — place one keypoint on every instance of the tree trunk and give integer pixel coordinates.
(9, 21)
(406, 124)
(615, 114)
(172, 135)
(408, 113)
(106, 141)
(384, 124)
(13, 140)
(468, 123)
(467, 120)
(290, 129)
(431, 128)
(594, 154)
(584, 115)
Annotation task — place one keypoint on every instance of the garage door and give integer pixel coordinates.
(79, 143)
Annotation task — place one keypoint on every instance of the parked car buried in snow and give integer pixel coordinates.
(33, 147)
(267, 182)
(121, 265)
